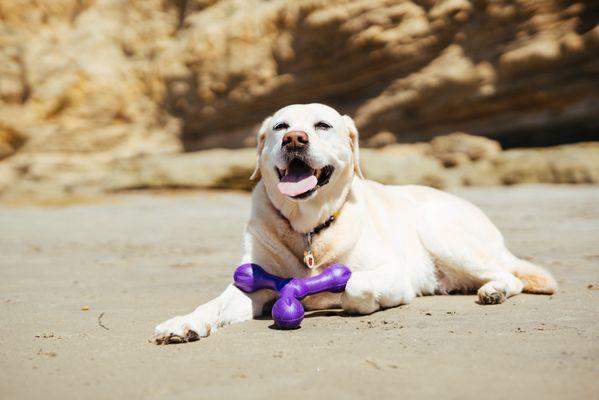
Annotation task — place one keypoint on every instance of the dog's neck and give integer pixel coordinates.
(305, 216)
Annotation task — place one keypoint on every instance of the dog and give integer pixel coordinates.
(312, 207)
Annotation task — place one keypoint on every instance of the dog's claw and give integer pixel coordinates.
(191, 336)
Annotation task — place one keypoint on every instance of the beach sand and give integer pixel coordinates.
(83, 285)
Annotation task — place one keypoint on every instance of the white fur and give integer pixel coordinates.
(399, 241)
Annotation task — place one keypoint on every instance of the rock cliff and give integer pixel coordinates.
(84, 83)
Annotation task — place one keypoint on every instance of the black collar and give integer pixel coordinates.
(324, 225)
(316, 229)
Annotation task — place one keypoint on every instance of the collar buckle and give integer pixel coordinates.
(309, 259)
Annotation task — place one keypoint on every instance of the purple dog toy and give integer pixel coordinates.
(287, 311)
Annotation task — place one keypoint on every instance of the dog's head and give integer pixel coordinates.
(307, 152)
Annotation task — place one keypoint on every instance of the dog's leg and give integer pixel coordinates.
(370, 291)
(469, 249)
(521, 276)
(480, 265)
(230, 307)
(499, 286)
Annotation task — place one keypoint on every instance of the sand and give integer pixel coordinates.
(137, 259)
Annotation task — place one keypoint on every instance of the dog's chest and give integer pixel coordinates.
(322, 249)
(312, 251)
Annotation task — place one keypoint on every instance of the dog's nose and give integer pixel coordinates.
(295, 139)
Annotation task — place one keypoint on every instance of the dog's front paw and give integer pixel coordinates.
(359, 296)
(182, 329)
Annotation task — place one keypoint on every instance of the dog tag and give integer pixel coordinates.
(309, 259)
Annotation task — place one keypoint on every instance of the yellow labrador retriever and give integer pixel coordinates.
(312, 207)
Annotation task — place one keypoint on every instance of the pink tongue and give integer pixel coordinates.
(289, 188)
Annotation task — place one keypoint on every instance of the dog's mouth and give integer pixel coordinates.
(299, 180)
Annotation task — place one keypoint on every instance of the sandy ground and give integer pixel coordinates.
(137, 259)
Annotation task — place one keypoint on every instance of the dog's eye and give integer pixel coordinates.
(280, 126)
(322, 125)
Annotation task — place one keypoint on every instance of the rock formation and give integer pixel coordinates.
(475, 160)
(89, 84)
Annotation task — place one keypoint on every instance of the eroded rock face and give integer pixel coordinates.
(87, 83)
(416, 69)
(481, 163)
(460, 148)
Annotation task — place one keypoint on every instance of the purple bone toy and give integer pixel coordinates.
(287, 311)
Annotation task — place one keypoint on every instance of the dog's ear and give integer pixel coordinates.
(354, 144)
(260, 146)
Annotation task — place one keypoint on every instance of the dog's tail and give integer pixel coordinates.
(536, 279)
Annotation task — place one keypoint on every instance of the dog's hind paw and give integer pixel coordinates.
(490, 295)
